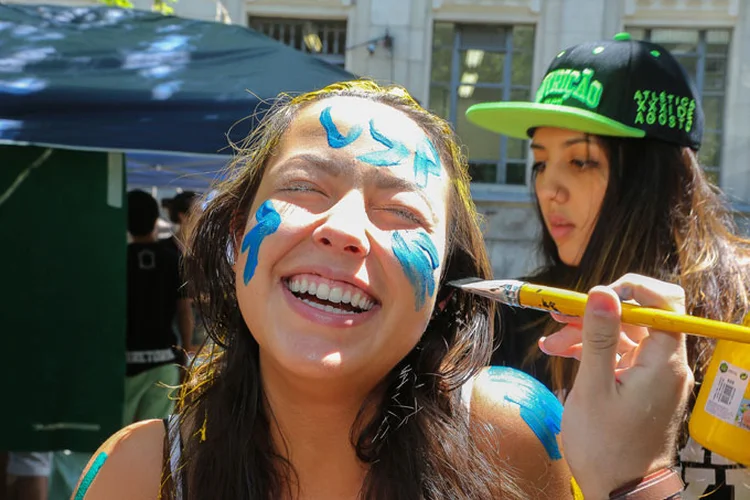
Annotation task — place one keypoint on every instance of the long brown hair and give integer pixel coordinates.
(427, 451)
(660, 217)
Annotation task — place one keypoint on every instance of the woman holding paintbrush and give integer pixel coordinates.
(614, 131)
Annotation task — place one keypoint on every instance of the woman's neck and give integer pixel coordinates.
(311, 424)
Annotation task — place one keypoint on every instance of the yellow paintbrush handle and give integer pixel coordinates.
(574, 304)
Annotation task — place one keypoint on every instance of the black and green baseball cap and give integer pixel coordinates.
(620, 87)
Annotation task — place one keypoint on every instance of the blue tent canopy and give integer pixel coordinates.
(115, 79)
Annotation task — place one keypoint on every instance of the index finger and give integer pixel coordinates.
(650, 292)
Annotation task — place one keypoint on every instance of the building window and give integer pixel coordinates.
(474, 63)
(325, 39)
(704, 54)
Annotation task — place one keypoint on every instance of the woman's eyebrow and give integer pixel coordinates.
(577, 140)
(570, 142)
(325, 165)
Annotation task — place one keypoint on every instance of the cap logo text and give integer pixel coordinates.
(563, 84)
(668, 110)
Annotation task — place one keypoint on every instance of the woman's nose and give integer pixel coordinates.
(344, 227)
(550, 184)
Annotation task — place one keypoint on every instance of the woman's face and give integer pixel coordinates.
(338, 267)
(571, 175)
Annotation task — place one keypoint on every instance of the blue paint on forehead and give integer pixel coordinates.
(539, 408)
(426, 162)
(418, 257)
(335, 138)
(267, 222)
(394, 153)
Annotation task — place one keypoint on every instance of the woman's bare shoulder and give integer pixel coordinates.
(525, 419)
(127, 466)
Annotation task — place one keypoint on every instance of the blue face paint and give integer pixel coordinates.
(419, 258)
(335, 139)
(426, 162)
(268, 221)
(394, 155)
(91, 474)
(539, 408)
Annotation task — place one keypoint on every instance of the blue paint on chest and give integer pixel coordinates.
(539, 408)
(335, 138)
(267, 222)
(419, 258)
(394, 154)
(426, 162)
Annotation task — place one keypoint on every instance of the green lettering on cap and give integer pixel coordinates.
(622, 37)
(563, 84)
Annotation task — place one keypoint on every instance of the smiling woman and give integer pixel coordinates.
(341, 366)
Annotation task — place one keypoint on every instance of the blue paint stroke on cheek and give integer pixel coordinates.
(539, 408)
(419, 258)
(426, 162)
(267, 222)
(90, 476)
(335, 138)
(394, 154)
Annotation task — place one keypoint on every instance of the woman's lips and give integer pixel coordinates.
(559, 232)
(560, 227)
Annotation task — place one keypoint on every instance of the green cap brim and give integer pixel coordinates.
(516, 119)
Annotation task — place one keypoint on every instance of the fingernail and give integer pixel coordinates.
(601, 306)
(625, 293)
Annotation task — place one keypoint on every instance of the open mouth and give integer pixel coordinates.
(332, 297)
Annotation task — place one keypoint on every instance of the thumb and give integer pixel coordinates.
(601, 333)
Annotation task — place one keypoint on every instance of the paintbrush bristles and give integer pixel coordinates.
(464, 281)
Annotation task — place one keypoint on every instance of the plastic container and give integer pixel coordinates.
(720, 420)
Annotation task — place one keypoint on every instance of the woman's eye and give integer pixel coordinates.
(406, 215)
(584, 163)
(303, 187)
(538, 167)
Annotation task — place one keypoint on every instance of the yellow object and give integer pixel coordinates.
(721, 417)
(546, 298)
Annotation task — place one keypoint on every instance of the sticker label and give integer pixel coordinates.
(729, 399)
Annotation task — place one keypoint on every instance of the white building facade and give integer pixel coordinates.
(451, 54)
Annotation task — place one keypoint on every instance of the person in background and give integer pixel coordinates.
(615, 131)
(26, 476)
(154, 298)
(179, 209)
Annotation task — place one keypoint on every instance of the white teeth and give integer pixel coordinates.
(327, 308)
(335, 295)
(322, 291)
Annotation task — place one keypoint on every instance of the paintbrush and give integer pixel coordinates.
(545, 298)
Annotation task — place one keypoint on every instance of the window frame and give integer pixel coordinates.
(505, 85)
(337, 55)
(701, 56)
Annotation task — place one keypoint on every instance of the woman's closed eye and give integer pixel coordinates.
(538, 167)
(405, 214)
(584, 163)
(302, 187)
